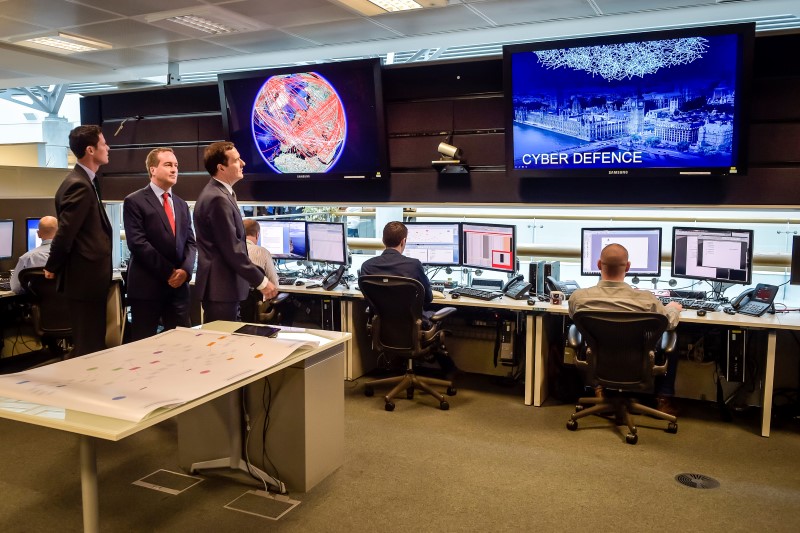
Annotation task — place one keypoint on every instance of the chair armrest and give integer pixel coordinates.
(441, 313)
(668, 341)
(280, 298)
(574, 337)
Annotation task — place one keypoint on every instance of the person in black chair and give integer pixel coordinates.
(392, 262)
(613, 294)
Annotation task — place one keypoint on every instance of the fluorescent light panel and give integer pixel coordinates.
(396, 5)
(203, 24)
(65, 43)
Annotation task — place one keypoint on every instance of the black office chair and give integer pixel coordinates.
(259, 311)
(396, 328)
(620, 354)
(49, 309)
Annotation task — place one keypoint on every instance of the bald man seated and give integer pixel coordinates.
(38, 256)
(613, 294)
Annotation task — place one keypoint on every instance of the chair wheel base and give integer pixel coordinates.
(389, 406)
(631, 438)
(672, 427)
(572, 425)
(444, 406)
(451, 391)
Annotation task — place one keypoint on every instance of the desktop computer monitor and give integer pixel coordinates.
(713, 254)
(6, 239)
(326, 242)
(794, 274)
(489, 246)
(434, 243)
(643, 245)
(285, 239)
(32, 233)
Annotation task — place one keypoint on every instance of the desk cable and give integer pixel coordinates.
(254, 473)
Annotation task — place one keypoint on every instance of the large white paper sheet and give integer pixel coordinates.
(133, 380)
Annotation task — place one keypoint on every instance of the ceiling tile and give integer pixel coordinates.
(132, 8)
(188, 50)
(439, 20)
(11, 28)
(129, 33)
(520, 11)
(53, 13)
(122, 58)
(257, 42)
(343, 32)
(286, 13)
(613, 7)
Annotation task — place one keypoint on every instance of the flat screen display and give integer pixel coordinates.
(794, 276)
(285, 239)
(643, 245)
(717, 255)
(326, 242)
(434, 243)
(489, 246)
(657, 104)
(6, 239)
(32, 233)
(323, 121)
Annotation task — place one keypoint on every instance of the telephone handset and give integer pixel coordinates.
(567, 287)
(333, 279)
(755, 301)
(517, 287)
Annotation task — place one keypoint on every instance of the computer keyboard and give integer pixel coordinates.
(691, 303)
(5, 285)
(286, 280)
(476, 293)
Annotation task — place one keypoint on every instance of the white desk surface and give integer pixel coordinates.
(115, 429)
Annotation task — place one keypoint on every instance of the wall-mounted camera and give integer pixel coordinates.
(450, 161)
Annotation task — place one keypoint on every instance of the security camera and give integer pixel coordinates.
(448, 150)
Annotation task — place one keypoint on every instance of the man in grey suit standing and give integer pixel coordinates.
(80, 254)
(224, 270)
(159, 234)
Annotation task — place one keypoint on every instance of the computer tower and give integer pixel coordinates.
(551, 268)
(737, 345)
(536, 276)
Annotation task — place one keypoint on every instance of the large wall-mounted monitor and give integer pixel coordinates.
(32, 233)
(285, 239)
(713, 254)
(643, 245)
(321, 121)
(489, 246)
(656, 104)
(326, 242)
(6, 239)
(794, 273)
(434, 243)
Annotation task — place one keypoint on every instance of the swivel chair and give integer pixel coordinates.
(259, 311)
(49, 309)
(620, 355)
(396, 328)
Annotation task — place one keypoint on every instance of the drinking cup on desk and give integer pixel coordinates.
(556, 297)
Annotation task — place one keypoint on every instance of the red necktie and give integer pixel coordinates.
(168, 211)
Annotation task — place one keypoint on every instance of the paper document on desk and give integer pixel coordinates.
(134, 380)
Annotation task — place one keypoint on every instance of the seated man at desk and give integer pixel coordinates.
(259, 255)
(613, 294)
(38, 256)
(392, 262)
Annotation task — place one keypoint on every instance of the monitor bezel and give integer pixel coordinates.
(749, 269)
(284, 257)
(458, 232)
(744, 74)
(343, 228)
(488, 225)
(28, 222)
(11, 250)
(794, 269)
(586, 273)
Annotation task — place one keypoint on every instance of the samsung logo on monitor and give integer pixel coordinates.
(617, 172)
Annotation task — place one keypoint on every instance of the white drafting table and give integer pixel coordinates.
(91, 427)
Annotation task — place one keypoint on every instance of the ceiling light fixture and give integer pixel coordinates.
(396, 5)
(202, 24)
(202, 21)
(64, 43)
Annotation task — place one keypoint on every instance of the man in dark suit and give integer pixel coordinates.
(80, 254)
(159, 234)
(224, 270)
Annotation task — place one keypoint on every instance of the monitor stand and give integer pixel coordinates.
(234, 461)
(718, 288)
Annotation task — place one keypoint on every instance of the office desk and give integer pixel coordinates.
(768, 322)
(90, 427)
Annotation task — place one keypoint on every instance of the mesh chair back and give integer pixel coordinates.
(621, 346)
(396, 303)
(50, 308)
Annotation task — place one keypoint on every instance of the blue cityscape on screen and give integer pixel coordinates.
(647, 104)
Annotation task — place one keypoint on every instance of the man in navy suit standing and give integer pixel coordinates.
(80, 254)
(224, 270)
(159, 234)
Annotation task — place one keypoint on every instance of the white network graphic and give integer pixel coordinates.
(618, 61)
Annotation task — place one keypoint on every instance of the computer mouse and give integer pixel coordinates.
(729, 310)
(299, 282)
(531, 301)
(455, 296)
(701, 312)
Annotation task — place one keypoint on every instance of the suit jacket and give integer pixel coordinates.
(80, 254)
(224, 270)
(155, 251)
(393, 263)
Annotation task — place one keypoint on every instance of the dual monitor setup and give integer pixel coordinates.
(323, 242)
(707, 254)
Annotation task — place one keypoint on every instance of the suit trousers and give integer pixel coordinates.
(147, 314)
(228, 311)
(88, 326)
